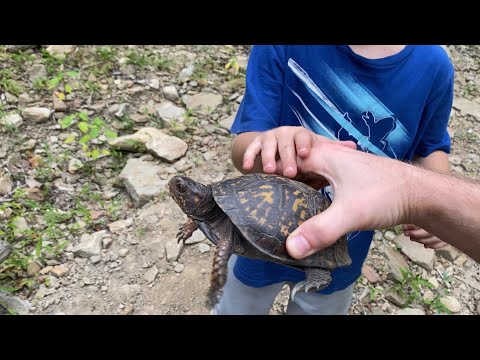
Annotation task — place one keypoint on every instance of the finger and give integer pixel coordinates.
(269, 152)
(418, 234)
(251, 152)
(407, 227)
(303, 143)
(286, 150)
(318, 232)
(437, 245)
(429, 241)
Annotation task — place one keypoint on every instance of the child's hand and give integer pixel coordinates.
(421, 236)
(279, 149)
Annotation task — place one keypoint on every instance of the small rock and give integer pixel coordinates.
(128, 310)
(389, 235)
(123, 252)
(182, 165)
(173, 250)
(434, 282)
(113, 108)
(416, 252)
(96, 259)
(467, 107)
(459, 261)
(87, 281)
(186, 73)
(227, 122)
(395, 298)
(60, 51)
(37, 72)
(60, 270)
(203, 271)
(203, 248)
(451, 303)
(106, 242)
(20, 226)
(28, 145)
(90, 245)
(478, 308)
(370, 274)
(203, 103)
(36, 115)
(170, 93)
(140, 118)
(429, 296)
(74, 165)
(168, 111)
(151, 274)
(23, 100)
(209, 155)
(33, 268)
(410, 311)
(14, 120)
(377, 311)
(448, 252)
(197, 236)
(6, 185)
(59, 105)
(154, 83)
(120, 225)
(179, 268)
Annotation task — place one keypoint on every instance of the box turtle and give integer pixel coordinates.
(252, 215)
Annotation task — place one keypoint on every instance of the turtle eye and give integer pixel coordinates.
(181, 188)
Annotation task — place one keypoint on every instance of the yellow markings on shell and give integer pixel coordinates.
(262, 221)
(253, 214)
(266, 187)
(266, 195)
(303, 213)
(196, 200)
(244, 200)
(284, 230)
(298, 202)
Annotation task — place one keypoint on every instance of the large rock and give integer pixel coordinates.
(396, 263)
(90, 245)
(416, 252)
(60, 51)
(37, 115)
(19, 306)
(141, 180)
(467, 107)
(410, 311)
(203, 103)
(165, 147)
(14, 120)
(20, 226)
(451, 304)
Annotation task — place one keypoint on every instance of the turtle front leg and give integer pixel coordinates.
(186, 230)
(317, 279)
(218, 277)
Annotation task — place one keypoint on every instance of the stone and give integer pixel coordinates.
(6, 184)
(179, 268)
(370, 274)
(203, 248)
(60, 51)
(203, 103)
(410, 311)
(173, 250)
(14, 120)
(123, 252)
(90, 245)
(197, 236)
(37, 72)
(150, 275)
(416, 252)
(120, 225)
(451, 303)
(170, 93)
(36, 115)
(396, 262)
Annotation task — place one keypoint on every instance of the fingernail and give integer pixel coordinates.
(268, 167)
(300, 245)
(289, 170)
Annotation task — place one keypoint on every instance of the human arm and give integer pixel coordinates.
(373, 192)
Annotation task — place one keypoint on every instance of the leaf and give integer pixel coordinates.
(70, 139)
(95, 154)
(85, 139)
(54, 82)
(83, 126)
(68, 88)
(67, 121)
(8, 289)
(38, 248)
(83, 116)
(94, 132)
(72, 73)
(111, 134)
(61, 96)
(99, 122)
(105, 152)
(84, 146)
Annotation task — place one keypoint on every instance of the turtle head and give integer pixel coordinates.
(194, 199)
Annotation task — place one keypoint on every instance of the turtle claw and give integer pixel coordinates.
(317, 279)
(186, 231)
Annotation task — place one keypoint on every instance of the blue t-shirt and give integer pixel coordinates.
(397, 107)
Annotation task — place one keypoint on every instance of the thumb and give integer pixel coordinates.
(318, 232)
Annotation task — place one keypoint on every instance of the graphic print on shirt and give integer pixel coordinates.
(354, 112)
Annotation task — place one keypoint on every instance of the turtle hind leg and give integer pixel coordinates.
(317, 279)
(218, 277)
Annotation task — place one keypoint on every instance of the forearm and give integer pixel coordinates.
(436, 161)
(239, 146)
(447, 207)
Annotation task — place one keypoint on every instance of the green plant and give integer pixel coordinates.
(91, 129)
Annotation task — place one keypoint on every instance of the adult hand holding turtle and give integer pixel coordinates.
(374, 193)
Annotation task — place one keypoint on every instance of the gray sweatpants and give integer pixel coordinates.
(240, 299)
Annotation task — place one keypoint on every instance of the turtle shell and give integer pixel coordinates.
(267, 208)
